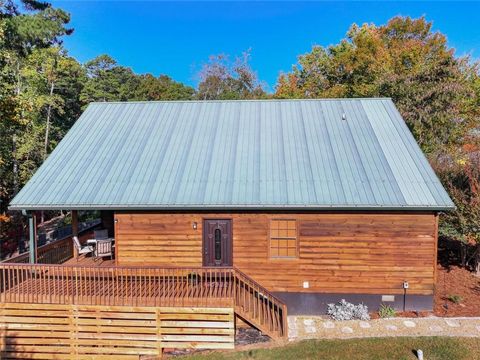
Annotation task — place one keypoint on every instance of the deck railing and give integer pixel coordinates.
(144, 286)
(258, 305)
(57, 251)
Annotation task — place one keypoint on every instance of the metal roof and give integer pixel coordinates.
(269, 154)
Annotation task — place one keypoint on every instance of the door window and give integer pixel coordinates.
(218, 244)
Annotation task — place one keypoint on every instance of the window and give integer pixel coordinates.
(218, 244)
(283, 238)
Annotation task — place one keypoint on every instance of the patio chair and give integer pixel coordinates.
(100, 234)
(104, 248)
(82, 249)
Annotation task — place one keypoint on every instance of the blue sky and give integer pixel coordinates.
(175, 38)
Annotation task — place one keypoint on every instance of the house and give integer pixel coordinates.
(290, 203)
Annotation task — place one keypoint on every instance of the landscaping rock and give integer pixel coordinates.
(452, 323)
(347, 330)
(308, 322)
(391, 328)
(436, 328)
(364, 325)
(328, 325)
(310, 329)
(409, 324)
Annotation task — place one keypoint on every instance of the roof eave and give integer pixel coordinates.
(196, 207)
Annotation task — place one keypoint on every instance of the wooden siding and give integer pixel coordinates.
(370, 253)
(106, 332)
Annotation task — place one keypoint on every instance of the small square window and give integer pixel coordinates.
(283, 238)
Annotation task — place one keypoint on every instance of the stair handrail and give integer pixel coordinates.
(263, 289)
(275, 301)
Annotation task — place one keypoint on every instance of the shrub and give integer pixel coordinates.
(386, 311)
(343, 310)
(456, 299)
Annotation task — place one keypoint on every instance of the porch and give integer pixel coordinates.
(86, 308)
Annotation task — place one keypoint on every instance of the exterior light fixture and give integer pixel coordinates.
(194, 225)
(344, 116)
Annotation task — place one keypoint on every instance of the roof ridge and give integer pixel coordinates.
(238, 100)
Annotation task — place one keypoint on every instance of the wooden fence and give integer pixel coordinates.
(105, 332)
(144, 286)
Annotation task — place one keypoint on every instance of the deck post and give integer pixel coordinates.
(75, 230)
(32, 234)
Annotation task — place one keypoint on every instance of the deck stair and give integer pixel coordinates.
(259, 307)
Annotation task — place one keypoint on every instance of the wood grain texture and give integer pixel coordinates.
(369, 253)
(109, 332)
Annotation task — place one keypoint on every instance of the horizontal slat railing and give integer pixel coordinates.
(144, 286)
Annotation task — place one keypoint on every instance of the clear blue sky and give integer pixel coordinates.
(175, 38)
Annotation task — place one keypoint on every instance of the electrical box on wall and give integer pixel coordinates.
(405, 284)
(306, 284)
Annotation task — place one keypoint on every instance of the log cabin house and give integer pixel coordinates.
(224, 210)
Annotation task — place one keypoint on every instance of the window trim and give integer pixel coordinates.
(282, 257)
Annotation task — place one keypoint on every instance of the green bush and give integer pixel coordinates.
(386, 311)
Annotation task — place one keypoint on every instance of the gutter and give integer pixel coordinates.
(224, 207)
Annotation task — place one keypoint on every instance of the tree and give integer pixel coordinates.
(152, 88)
(221, 79)
(108, 81)
(25, 27)
(53, 82)
(437, 93)
(403, 60)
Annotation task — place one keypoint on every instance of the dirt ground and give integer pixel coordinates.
(461, 282)
(454, 280)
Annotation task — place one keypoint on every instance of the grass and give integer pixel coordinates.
(400, 348)
(456, 299)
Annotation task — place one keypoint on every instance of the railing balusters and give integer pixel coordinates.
(143, 286)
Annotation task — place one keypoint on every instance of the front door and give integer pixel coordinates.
(217, 242)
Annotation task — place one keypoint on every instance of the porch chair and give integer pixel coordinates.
(82, 250)
(100, 234)
(104, 248)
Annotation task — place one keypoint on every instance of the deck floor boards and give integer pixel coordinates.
(89, 261)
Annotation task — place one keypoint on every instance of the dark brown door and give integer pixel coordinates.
(217, 242)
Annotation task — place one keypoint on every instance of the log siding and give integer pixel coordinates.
(354, 253)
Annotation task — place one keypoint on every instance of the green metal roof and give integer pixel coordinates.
(269, 154)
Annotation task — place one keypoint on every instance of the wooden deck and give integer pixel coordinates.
(106, 285)
(90, 261)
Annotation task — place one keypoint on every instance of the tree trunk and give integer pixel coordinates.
(15, 164)
(477, 260)
(47, 129)
(18, 89)
(463, 255)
